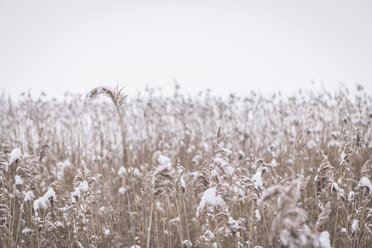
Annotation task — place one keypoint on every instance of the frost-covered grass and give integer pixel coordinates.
(180, 171)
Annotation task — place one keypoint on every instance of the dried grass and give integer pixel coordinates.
(281, 172)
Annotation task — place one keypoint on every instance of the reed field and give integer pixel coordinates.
(148, 170)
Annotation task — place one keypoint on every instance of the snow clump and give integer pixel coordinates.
(14, 155)
(365, 182)
(48, 197)
(209, 198)
(18, 180)
(324, 240)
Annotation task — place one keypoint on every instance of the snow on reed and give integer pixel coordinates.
(365, 182)
(44, 201)
(324, 241)
(209, 199)
(18, 180)
(29, 196)
(14, 155)
(355, 226)
(82, 187)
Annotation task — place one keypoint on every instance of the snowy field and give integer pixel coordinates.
(176, 171)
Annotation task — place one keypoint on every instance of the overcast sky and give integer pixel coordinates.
(227, 46)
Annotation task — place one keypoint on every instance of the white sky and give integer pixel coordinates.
(228, 46)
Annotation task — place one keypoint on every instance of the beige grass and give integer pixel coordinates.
(149, 170)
